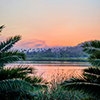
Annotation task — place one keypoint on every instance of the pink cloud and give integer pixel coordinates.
(34, 43)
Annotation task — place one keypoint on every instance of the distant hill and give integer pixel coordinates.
(66, 51)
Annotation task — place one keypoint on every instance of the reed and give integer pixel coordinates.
(56, 92)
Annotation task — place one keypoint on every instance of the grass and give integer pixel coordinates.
(56, 92)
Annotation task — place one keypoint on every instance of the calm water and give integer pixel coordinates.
(55, 69)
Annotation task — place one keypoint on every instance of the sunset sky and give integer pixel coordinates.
(43, 23)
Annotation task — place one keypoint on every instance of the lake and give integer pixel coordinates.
(50, 70)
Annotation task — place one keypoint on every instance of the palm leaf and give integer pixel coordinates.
(93, 70)
(4, 46)
(17, 72)
(90, 82)
(37, 82)
(1, 27)
(85, 87)
(8, 57)
(95, 62)
(9, 85)
(21, 72)
(92, 75)
(14, 89)
(91, 47)
(17, 94)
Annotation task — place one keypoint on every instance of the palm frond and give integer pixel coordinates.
(4, 46)
(93, 70)
(94, 44)
(92, 75)
(9, 85)
(94, 58)
(14, 89)
(8, 57)
(84, 87)
(1, 27)
(18, 72)
(95, 62)
(93, 78)
(17, 94)
(90, 82)
(20, 55)
(91, 47)
(37, 82)
(22, 72)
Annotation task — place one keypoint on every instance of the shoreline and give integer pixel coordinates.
(58, 59)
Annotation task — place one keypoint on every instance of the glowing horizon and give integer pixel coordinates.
(50, 23)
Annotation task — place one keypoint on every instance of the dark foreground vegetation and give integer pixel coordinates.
(20, 82)
(90, 81)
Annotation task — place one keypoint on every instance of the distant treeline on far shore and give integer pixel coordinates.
(56, 53)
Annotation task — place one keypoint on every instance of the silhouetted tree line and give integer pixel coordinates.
(64, 52)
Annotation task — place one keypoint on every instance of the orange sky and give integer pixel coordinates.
(44, 23)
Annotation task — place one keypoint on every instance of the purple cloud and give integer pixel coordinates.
(35, 43)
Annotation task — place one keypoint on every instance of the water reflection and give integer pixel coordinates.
(55, 69)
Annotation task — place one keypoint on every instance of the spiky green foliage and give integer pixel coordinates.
(23, 88)
(84, 87)
(10, 56)
(21, 72)
(8, 85)
(92, 48)
(16, 72)
(58, 93)
(1, 27)
(37, 82)
(92, 70)
(90, 81)
(6, 45)
(16, 90)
